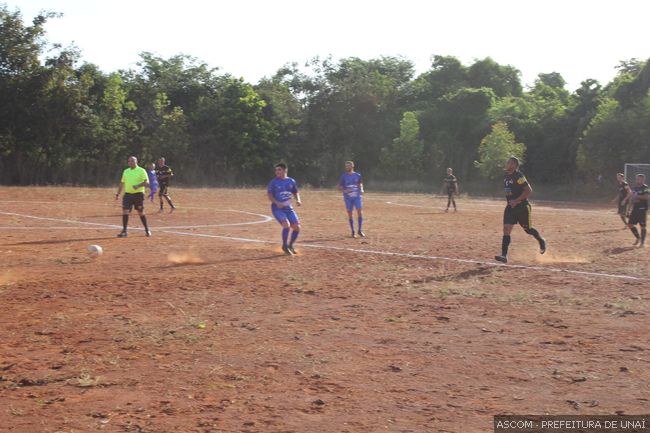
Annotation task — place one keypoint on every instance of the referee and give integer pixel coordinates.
(134, 180)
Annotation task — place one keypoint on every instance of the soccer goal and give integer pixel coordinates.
(631, 170)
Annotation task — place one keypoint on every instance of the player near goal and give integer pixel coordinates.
(623, 197)
(164, 174)
(281, 192)
(351, 184)
(450, 185)
(133, 182)
(518, 210)
(638, 215)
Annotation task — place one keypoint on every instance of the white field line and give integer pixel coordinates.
(375, 252)
(538, 208)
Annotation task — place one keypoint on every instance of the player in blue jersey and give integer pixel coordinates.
(153, 180)
(351, 184)
(518, 210)
(281, 192)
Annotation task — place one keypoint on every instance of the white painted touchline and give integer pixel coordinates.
(364, 251)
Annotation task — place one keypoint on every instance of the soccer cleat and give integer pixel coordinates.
(122, 234)
(502, 259)
(361, 234)
(542, 246)
(354, 235)
(446, 210)
(286, 250)
(161, 210)
(292, 249)
(636, 242)
(172, 209)
(147, 233)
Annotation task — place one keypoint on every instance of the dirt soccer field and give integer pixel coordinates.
(208, 327)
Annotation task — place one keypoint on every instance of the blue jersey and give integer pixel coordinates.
(153, 180)
(283, 190)
(351, 184)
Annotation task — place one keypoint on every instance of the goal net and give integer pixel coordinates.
(631, 170)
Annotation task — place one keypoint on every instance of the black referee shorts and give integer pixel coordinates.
(130, 201)
(520, 214)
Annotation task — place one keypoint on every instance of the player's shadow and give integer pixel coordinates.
(618, 250)
(58, 241)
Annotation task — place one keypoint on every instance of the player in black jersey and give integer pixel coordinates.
(518, 210)
(164, 174)
(640, 194)
(450, 185)
(623, 197)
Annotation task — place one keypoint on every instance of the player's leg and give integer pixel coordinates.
(282, 219)
(126, 210)
(631, 223)
(349, 209)
(622, 212)
(161, 191)
(358, 204)
(169, 199)
(139, 206)
(526, 222)
(642, 223)
(509, 220)
(295, 229)
(448, 201)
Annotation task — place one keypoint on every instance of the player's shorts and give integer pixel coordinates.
(450, 192)
(162, 189)
(353, 202)
(285, 214)
(130, 201)
(638, 216)
(622, 209)
(521, 214)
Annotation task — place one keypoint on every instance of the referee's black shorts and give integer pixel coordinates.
(130, 201)
(520, 214)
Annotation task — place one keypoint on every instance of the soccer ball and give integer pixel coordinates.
(95, 250)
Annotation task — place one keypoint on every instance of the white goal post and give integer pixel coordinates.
(631, 170)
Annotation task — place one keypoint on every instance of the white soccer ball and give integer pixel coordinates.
(95, 250)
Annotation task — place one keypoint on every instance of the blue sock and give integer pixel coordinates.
(351, 224)
(360, 222)
(285, 236)
(294, 236)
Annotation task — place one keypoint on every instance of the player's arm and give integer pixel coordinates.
(643, 196)
(628, 195)
(456, 188)
(361, 190)
(296, 195)
(120, 188)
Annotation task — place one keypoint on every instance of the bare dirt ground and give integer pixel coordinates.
(413, 329)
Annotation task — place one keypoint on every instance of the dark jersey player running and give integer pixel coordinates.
(164, 174)
(518, 210)
(640, 194)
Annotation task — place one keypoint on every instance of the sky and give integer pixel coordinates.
(254, 38)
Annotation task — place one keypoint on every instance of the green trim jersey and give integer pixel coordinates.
(451, 183)
(622, 191)
(514, 185)
(166, 172)
(638, 191)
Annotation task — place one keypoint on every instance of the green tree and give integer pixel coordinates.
(495, 148)
(402, 160)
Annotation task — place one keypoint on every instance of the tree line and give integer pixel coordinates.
(64, 121)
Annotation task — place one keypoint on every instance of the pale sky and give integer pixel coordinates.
(253, 38)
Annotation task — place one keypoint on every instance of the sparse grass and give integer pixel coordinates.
(85, 380)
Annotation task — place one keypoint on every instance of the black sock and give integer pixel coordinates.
(534, 233)
(635, 232)
(623, 218)
(169, 200)
(125, 221)
(143, 218)
(505, 242)
(453, 202)
(643, 234)
(161, 204)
